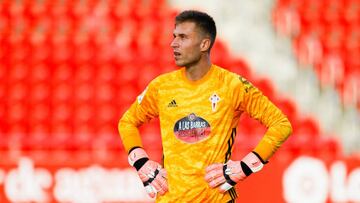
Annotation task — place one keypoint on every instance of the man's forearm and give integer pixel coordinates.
(273, 139)
(129, 134)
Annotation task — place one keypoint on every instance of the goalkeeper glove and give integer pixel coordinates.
(232, 172)
(150, 172)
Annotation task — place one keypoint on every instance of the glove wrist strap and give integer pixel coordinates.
(137, 157)
(227, 177)
(245, 168)
(253, 163)
(139, 163)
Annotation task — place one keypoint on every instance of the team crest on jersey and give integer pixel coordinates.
(214, 99)
(192, 129)
(247, 84)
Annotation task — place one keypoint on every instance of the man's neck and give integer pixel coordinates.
(197, 71)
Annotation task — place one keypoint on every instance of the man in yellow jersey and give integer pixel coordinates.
(199, 107)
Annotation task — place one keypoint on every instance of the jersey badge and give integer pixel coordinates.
(192, 129)
(214, 99)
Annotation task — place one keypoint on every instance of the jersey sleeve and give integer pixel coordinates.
(251, 100)
(142, 110)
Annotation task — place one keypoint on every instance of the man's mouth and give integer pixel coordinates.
(176, 54)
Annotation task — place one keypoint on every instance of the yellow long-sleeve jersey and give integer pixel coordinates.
(198, 123)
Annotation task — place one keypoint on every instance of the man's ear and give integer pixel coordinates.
(205, 44)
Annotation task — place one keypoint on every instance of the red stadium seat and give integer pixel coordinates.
(61, 112)
(266, 86)
(151, 136)
(80, 9)
(62, 92)
(220, 52)
(84, 74)
(352, 39)
(106, 74)
(332, 11)
(128, 73)
(84, 93)
(17, 112)
(328, 147)
(240, 67)
(63, 53)
(289, 108)
(351, 89)
(62, 33)
(352, 12)
(310, 12)
(105, 93)
(17, 92)
(148, 73)
(17, 7)
(250, 127)
(39, 113)
(308, 50)
(305, 133)
(61, 133)
(307, 127)
(18, 73)
(286, 21)
(333, 38)
(106, 113)
(332, 70)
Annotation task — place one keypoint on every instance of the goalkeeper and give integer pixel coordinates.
(199, 106)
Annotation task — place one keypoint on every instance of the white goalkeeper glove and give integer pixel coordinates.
(227, 175)
(150, 172)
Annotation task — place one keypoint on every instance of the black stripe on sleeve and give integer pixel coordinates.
(230, 143)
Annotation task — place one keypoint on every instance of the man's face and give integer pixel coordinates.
(186, 44)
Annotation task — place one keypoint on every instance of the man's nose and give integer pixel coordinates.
(174, 43)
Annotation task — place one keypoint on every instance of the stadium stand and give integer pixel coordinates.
(67, 79)
(326, 35)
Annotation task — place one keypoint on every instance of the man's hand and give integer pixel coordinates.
(150, 172)
(227, 175)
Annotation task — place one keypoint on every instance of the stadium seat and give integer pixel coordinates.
(150, 134)
(17, 92)
(332, 11)
(148, 73)
(61, 112)
(289, 108)
(332, 70)
(286, 21)
(308, 49)
(352, 12)
(220, 52)
(307, 126)
(62, 132)
(128, 73)
(266, 86)
(240, 67)
(333, 38)
(350, 90)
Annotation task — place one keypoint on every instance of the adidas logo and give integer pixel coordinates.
(172, 103)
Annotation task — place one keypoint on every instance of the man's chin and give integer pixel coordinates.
(178, 64)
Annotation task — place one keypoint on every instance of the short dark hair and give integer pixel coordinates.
(202, 20)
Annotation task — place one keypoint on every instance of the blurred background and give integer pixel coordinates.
(70, 68)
